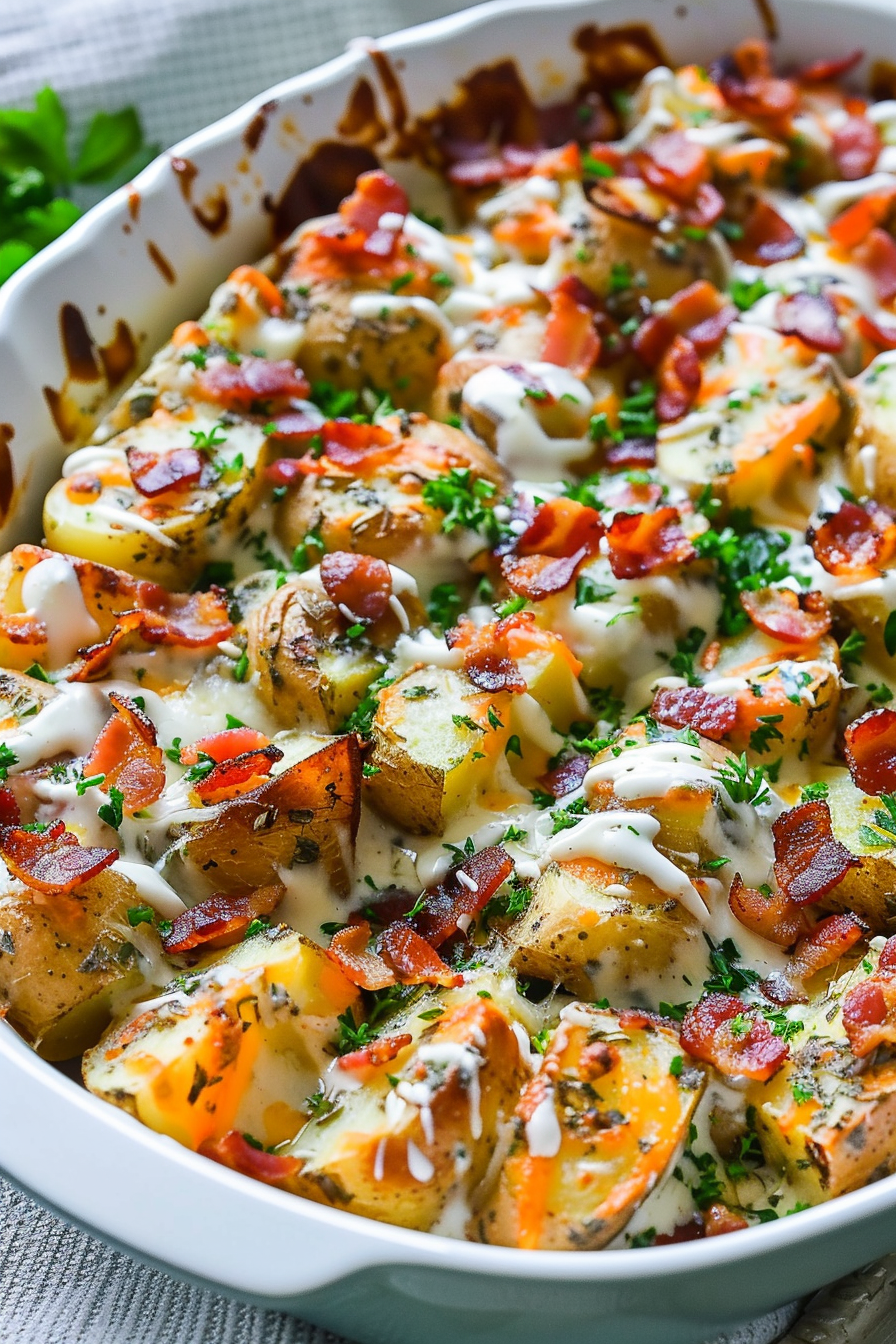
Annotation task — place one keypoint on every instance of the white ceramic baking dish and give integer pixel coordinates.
(148, 258)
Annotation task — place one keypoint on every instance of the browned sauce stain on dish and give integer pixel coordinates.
(162, 264)
(214, 213)
(769, 19)
(7, 477)
(254, 132)
(119, 355)
(78, 348)
(615, 57)
(65, 416)
(85, 362)
(133, 204)
(361, 120)
(319, 183)
(398, 108)
(882, 82)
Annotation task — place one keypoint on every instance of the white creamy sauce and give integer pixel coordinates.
(51, 592)
(522, 444)
(378, 307)
(543, 1133)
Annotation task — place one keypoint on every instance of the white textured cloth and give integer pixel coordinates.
(183, 63)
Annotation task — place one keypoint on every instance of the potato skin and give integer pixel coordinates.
(603, 240)
(875, 423)
(605, 1117)
(61, 957)
(869, 890)
(469, 1064)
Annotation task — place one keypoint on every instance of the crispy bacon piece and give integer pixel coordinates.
(488, 661)
(369, 222)
(349, 949)
(811, 317)
(678, 379)
(748, 84)
(869, 1019)
(691, 707)
(570, 336)
(648, 543)
(478, 165)
(675, 165)
(809, 862)
(296, 427)
(775, 917)
(235, 1151)
(158, 473)
(412, 959)
(856, 222)
(264, 287)
(823, 72)
(359, 583)
(10, 814)
(187, 620)
(356, 448)
(224, 746)
(465, 890)
(723, 1031)
(52, 861)
(699, 312)
(719, 1220)
(881, 334)
(828, 941)
(794, 618)
(706, 209)
(767, 237)
(291, 470)
(375, 1054)
(127, 753)
(220, 920)
(855, 147)
(869, 745)
(857, 537)
(237, 774)
(637, 454)
(547, 556)
(566, 777)
(237, 386)
(877, 255)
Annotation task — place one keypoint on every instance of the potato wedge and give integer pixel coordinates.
(871, 447)
(595, 1131)
(239, 1042)
(96, 512)
(436, 738)
(306, 813)
(62, 960)
(399, 1154)
(21, 697)
(596, 942)
(868, 891)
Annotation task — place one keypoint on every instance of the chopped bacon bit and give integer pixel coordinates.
(811, 317)
(295, 427)
(877, 255)
(748, 85)
(488, 661)
(52, 861)
(234, 1151)
(224, 746)
(355, 959)
(809, 862)
(855, 147)
(220, 920)
(692, 1230)
(647, 543)
(10, 815)
(719, 1220)
(707, 207)
(653, 338)
(157, 473)
(856, 222)
(869, 745)
(354, 447)
(774, 917)
(570, 336)
(237, 774)
(675, 165)
(264, 287)
(187, 620)
(868, 1017)
(767, 237)
(547, 556)
(691, 707)
(637, 454)
(359, 583)
(827, 942)
(370, 219)
(793, 618)
(290, 470)
(699, 312)
(566, 777)
(747, 1050)
(127, 754)
(452, 899)
(481, 167)
(413, 960)
(237, 386)
(822, 72)
(678, 378)
(856, 537)
(375, 1054)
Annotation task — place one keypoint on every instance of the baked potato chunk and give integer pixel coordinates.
(763, 398)
(377, 507)
(436, 738)
(593, 940)
(869, 890)
(21, 697)
(236, 1043)
(595, 1131)
(308, 812)
(97, 511)
(398, 1153)
(62, 960)
(871, 447)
